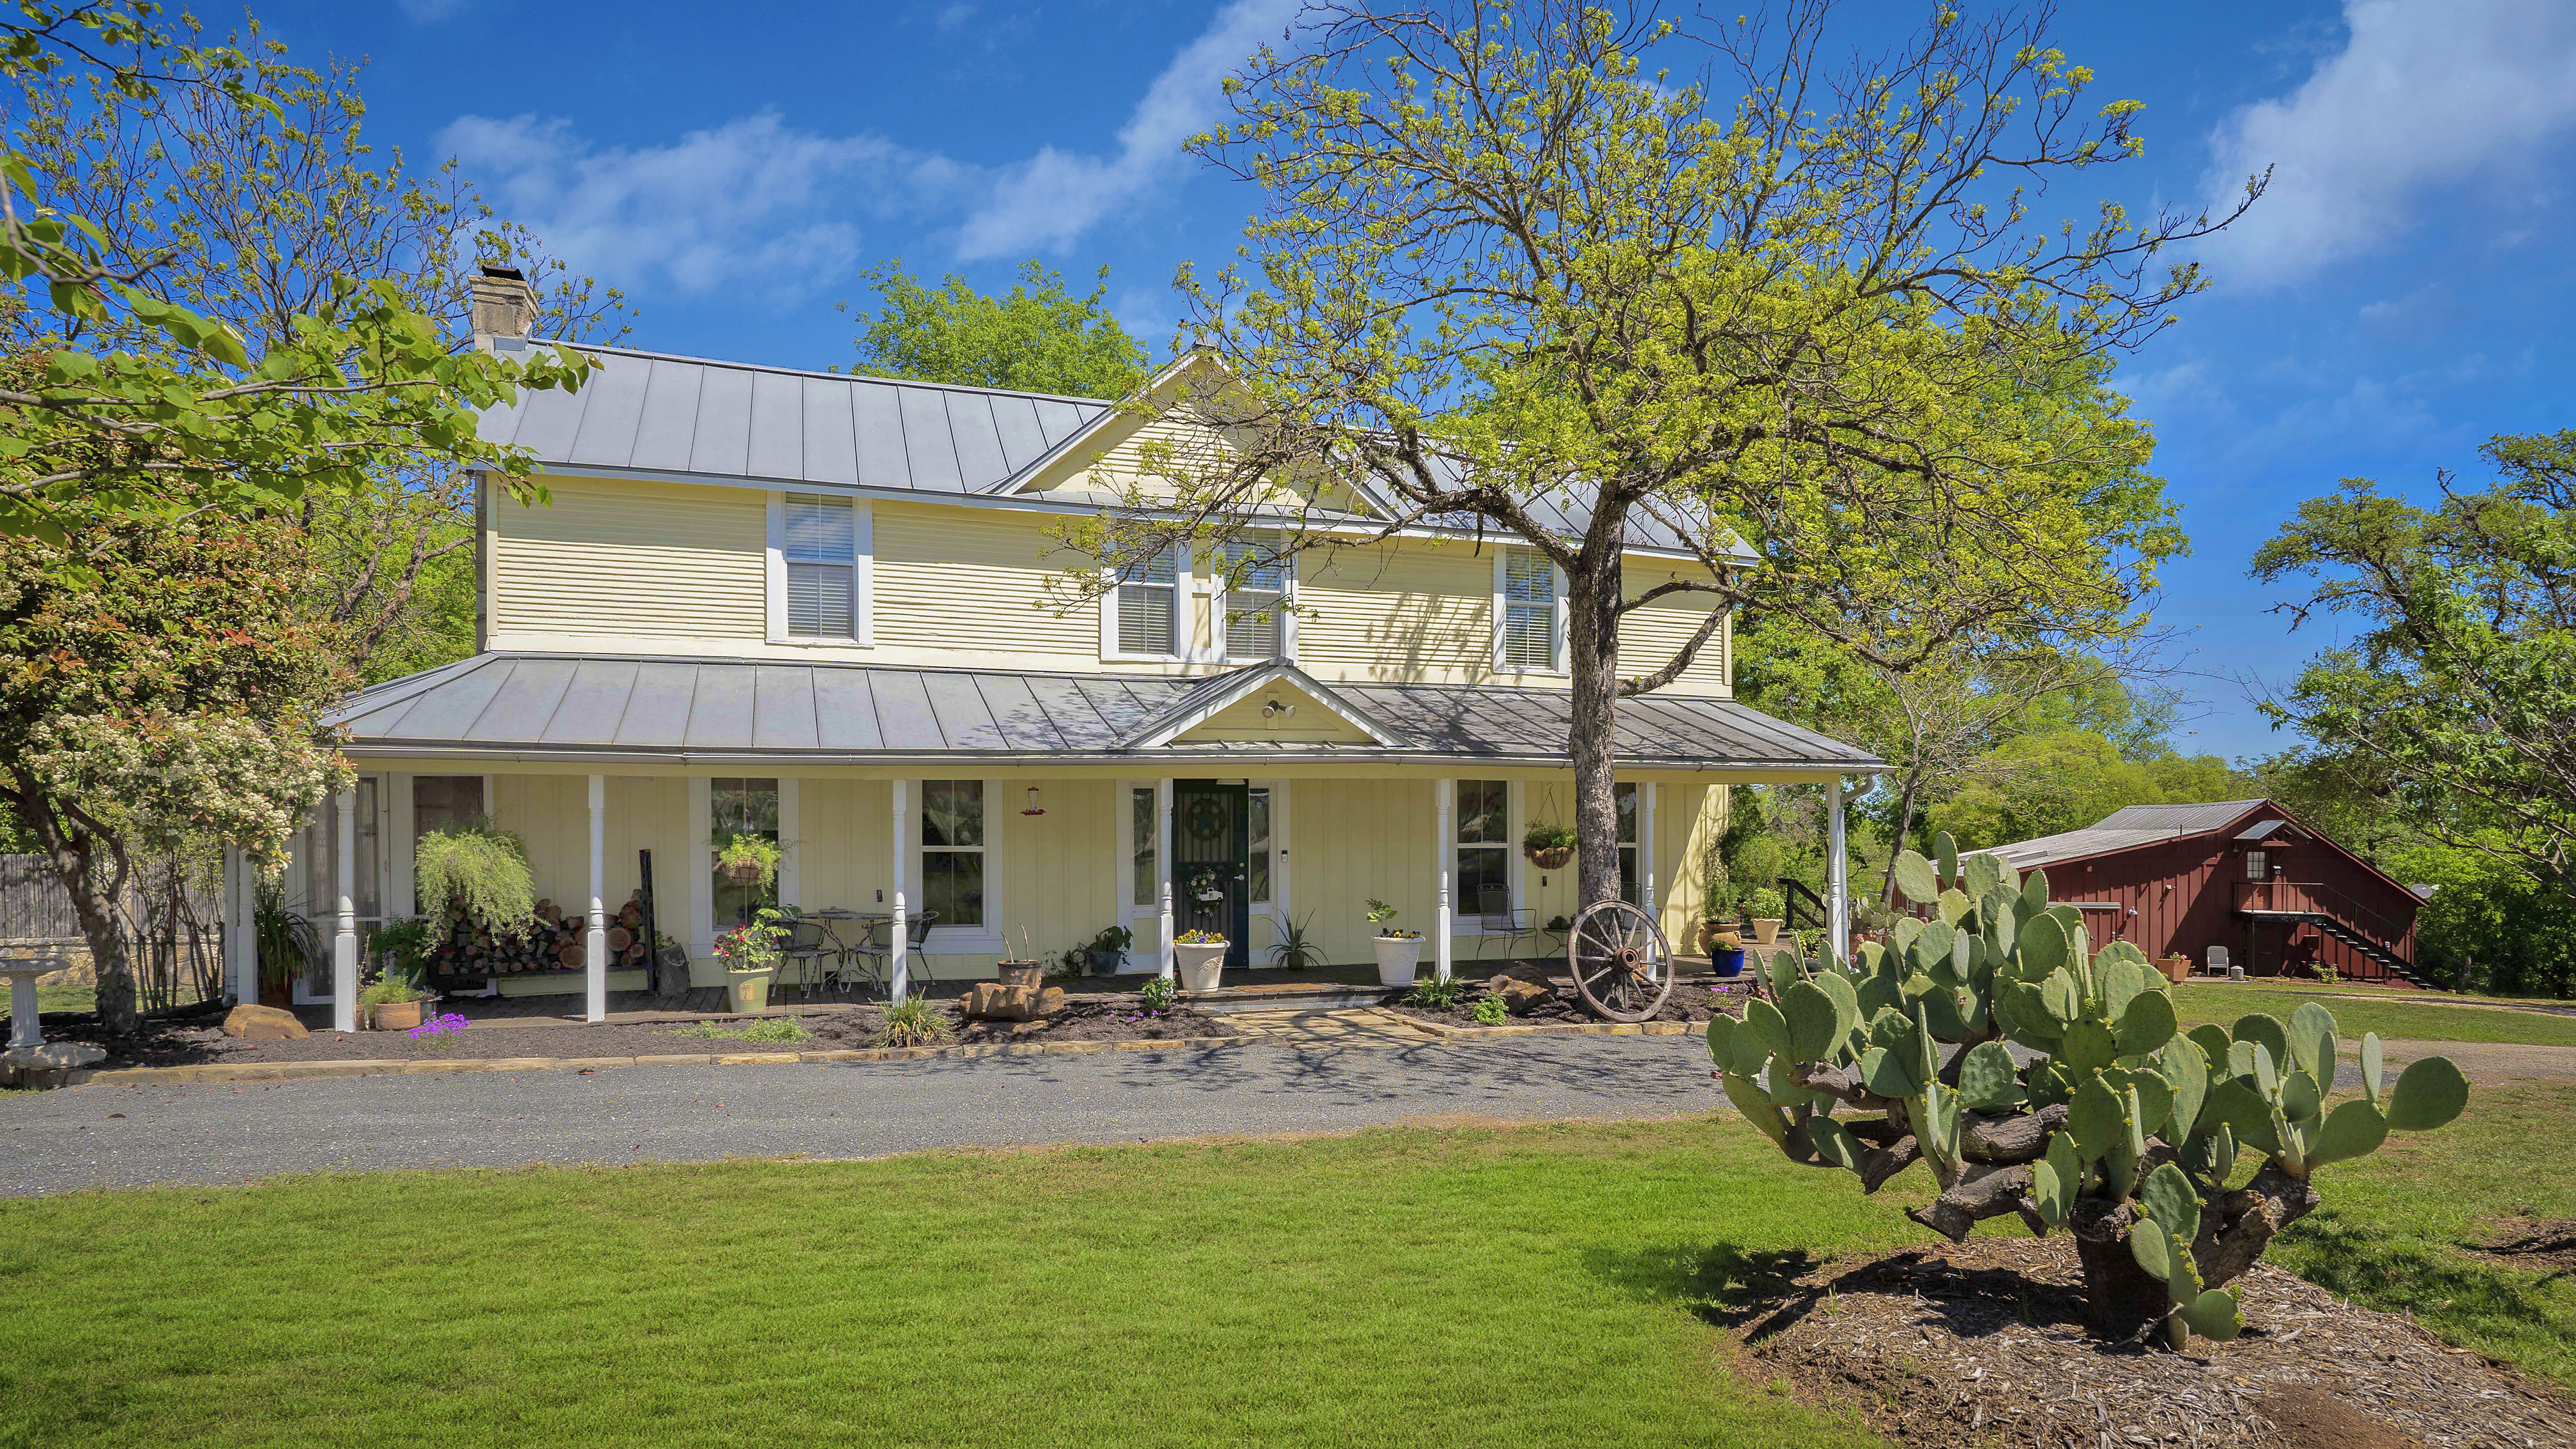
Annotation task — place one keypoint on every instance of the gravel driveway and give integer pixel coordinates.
(125, 1136)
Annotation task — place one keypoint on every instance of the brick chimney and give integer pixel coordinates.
(504, 306)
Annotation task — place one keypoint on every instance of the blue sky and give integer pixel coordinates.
(2403, 292)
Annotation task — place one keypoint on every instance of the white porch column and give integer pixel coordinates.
(241, 954)
(1164, 844)
(1444, 858)
(1837, 881)
(344, 940)
(899, 930)
(1646, 852)
(595, 940)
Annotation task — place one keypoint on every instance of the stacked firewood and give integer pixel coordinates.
(552, 943)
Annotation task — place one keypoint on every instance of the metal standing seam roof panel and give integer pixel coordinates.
(1060, 420)
(928, 444)
(981, 461)
(831, 441)
(526, 704)
(876, 411)
(721, 711)
(612, 412)
(903, 711)
(965, 723)
(448, 711)
(667, 431)
(549, 420)
(776, 447)
(723, 443)
(1015, 425)
(1014, 709)
(657, 717)
(782, 708)
(593, 708)
(845, 710)
(1074, 711)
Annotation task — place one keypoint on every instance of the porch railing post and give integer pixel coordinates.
(1163, 848)
(1443, 862)
(899, 938)
(241, 945)
(595, 940)
(1837, 877)
(344, 940)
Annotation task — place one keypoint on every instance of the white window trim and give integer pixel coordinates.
(1184, 584)
(863, 551)
(983, 940)
(1220, 601)
(1501, 612)
(1464, 918)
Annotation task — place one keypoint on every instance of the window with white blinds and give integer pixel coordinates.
(1526, 612)
(1149, 606)
(821, 553)
(1252, 600)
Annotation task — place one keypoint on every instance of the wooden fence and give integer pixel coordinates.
(173, 928)
(34, 905)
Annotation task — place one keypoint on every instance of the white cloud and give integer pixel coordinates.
(1055, 196)
(751, 199)
(2425, 93)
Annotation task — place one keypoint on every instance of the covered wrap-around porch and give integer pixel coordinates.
(1025, 812)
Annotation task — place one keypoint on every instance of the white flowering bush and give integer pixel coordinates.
(177, 782)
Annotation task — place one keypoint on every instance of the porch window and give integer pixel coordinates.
(1256, 864)
(1484, 847)
(1525, 612)
(740, 806)
(1149, 606)
(1148, 887)
(952, 850)
(2256, 866)
(1258, 583)
(820, 548)
(1625, 794)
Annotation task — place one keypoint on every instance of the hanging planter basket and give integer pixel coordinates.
(1554, 857)
(741, 872)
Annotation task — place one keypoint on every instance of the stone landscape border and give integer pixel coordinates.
(301, 1071)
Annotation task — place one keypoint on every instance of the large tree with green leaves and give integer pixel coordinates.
(2460, 687)
(1038, 338)
(1526, 260)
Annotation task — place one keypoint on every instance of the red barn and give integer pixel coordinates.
(2243, 874)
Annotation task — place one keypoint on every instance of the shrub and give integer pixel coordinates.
(1159, 993)
(1433, 992)
(479, 869)
(1491, 1011)
(914, 1021)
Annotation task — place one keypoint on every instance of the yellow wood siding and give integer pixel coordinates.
(1651, 635)
(976, 580)
(1397, 612)
(1351, 840)
(632, 558)
(552, 813)
(1243, 720)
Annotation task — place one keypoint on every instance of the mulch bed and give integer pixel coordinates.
(200, 1040)
(1687, 1003)
(1984, 1343)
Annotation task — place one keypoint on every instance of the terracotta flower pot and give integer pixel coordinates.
(397, 1015)
(1021, 973)
(1765, 931)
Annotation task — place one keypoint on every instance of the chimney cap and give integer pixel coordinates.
(509, 273)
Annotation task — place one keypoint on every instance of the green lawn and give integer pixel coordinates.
(1531, 1286)
(1536, 1285)
(2394, 1015)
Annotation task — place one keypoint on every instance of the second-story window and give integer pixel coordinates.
(821, 553)
(1526, 613)
(1252, 613)
(1149, 606)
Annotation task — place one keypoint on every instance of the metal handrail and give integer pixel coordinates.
(2324, 900)
(1796, 896)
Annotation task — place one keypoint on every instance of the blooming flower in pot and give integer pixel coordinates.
(750, 954)
(1398, 951)
(1199, 957)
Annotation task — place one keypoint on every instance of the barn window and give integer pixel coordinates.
(2255, 867)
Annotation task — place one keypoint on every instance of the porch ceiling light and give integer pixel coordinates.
(1033, 807)
(1272, 709)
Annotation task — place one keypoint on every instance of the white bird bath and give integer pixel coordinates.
(21, 962)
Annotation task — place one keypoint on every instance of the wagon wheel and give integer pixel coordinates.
(1621, 963)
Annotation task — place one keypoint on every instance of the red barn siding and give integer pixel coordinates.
(2180, 896)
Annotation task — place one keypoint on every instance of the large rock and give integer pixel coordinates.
(263, 1023)
(1520, 997)
(992, 1001)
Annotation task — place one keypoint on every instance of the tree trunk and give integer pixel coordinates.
(74, 855)
(2121, 1299)
(1904, 824)
(1592, 647)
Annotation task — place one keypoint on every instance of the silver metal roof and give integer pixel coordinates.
(634, 707)
(686, 415)
(2134, 825)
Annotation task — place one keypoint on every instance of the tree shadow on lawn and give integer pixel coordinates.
(1755, 1293)
(2436, 1281)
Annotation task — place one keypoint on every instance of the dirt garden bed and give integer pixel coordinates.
(1688, 1002)
(1983, 1343)
(200, 1040)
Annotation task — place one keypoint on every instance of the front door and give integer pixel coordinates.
(1209, 850)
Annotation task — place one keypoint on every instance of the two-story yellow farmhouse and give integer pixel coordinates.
(815, 606)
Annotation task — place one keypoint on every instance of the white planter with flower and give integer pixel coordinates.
(1398, 952)
(1198, 957)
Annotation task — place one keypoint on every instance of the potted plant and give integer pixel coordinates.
(480, 871)
(1026, 970)
(1548, 847)
(744, 857)
(750, 954)
(1768, 910)
(1398, 952)
(396, 997)
(286, 944)
(1106, 951)
(1199, 956)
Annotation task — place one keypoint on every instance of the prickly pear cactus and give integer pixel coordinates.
(2109, 1121)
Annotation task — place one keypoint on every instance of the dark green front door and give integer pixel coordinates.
(1209, 821)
